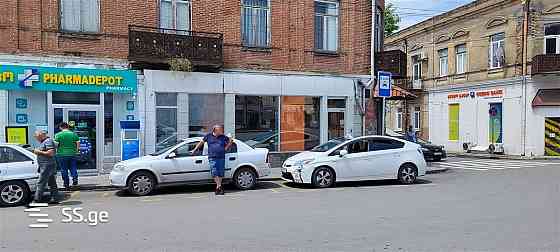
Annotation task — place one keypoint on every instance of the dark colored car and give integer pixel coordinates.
(432, 152)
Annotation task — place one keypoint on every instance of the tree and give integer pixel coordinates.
(391, 19)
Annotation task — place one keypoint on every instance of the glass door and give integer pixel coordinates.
(83, 121)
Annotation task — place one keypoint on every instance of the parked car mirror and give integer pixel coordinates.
(172, 155)
(343, 153)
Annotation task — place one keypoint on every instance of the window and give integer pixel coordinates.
(175, 14)
(336, 110)
(185, 150)
(256, 121)
(166, 120)
(79, 16)
(326, 25)
(496, 54)
(379, 144)
(300, 123)
(552, 38)
(108, 124)
(399, 120)
(9, 155)
(358, 146)
(454, 122)
(416, 119)
(205, 111)
(416, 68)
(443, 62)
(461, 61)
(255, 23)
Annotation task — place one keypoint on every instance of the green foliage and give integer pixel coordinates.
(391, 19)
(180, 64)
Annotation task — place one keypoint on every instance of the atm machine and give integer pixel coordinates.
(130, 139)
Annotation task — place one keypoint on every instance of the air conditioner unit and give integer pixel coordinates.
(417, 84)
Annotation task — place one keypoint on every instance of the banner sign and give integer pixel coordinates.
(16, 134)
(67, 79)
(494, 93)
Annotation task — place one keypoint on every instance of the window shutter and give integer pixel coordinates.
(70, 15)
(89, 15)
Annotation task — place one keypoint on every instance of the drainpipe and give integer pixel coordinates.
(372, 53)
(525, 56)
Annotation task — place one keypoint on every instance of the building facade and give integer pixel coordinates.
(474, 71)
(285, 75)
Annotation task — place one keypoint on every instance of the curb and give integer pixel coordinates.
(505, 157)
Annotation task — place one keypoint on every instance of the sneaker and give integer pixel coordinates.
(75, 183)
(217, 191)
(66, 185)
(221, 191)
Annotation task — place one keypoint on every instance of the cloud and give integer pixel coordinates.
(415, 11)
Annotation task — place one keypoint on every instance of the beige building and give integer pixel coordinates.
(478, 82)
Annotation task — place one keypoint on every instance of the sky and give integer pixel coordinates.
(414, 11)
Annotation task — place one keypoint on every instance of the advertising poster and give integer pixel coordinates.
(16, 134)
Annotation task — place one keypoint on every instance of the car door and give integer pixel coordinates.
(16, 165)
(384, 156)
(182, 166)
(232, 159)
(354, 164)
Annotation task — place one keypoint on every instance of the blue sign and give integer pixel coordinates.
(130, 105)
(21, 103)
(21, 118)
(131, 149)
(384, 80)
(130, 117)
(67, 79)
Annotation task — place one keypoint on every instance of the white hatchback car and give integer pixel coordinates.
(362, 158)
(18, 175)
(176, 166)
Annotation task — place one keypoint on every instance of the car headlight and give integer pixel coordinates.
(119, 167)
(304, 162)
(425, 149)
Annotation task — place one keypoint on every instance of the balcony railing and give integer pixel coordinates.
(545, 63)
(159, 45)
(393, 61)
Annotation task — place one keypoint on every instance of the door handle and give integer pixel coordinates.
(231, 158)
(198, 161)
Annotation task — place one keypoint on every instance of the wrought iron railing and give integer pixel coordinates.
(545, 63)
(158, 45)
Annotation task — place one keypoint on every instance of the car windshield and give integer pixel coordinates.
(328, 145)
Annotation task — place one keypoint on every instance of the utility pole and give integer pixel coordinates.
(372, 61)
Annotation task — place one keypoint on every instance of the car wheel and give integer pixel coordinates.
(245, 179)
(323, 177)
(407, 174)
(141, 183)
(14, 193)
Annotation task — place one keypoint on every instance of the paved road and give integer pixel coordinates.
(512, 209)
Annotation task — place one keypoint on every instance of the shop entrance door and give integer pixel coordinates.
(552, 136)
(84, 120)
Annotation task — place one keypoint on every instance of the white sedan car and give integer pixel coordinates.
(176, 165)
(362, 158)
(18, 175)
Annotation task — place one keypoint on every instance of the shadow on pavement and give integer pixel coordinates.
(366, 183)
(187, 189)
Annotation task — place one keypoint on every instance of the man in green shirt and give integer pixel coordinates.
(68, 146)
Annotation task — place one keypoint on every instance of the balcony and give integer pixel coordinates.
(158, 46)
(393, 61)
(545, 63)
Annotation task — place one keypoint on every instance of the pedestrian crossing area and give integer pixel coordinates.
(489, 164)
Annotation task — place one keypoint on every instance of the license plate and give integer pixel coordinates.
(437, 153)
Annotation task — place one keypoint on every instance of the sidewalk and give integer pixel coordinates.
(499, 156)
(92, 181)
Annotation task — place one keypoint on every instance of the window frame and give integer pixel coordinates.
(399, 120)
(442, 64)
(175, 107)
(416, 64)
(317, 15)
(464, 59)
(268, 25)
(174, 14)
(500, 44)
(416, 122)
(81, 30)
(556, 37)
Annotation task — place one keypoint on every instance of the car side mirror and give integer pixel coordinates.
(342, 153)
(171, 155)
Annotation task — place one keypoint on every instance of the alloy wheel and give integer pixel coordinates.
(142, 184)
(408, 175)
(245, 179)
(324, 178)
(12, 194)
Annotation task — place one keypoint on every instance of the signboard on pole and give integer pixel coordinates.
(384, 79)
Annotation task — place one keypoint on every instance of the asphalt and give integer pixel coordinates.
(457, 210)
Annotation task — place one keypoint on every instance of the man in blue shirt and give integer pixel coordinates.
(411, 135)
(218, 143)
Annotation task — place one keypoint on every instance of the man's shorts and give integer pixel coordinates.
(217, 167)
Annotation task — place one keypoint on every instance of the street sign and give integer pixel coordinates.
(384, 79)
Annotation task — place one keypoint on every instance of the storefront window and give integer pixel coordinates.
(108, 108)
(75, 98)
(336, 109)
(205, 111)
(300, 124)
(166, 120)
(256, 121)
